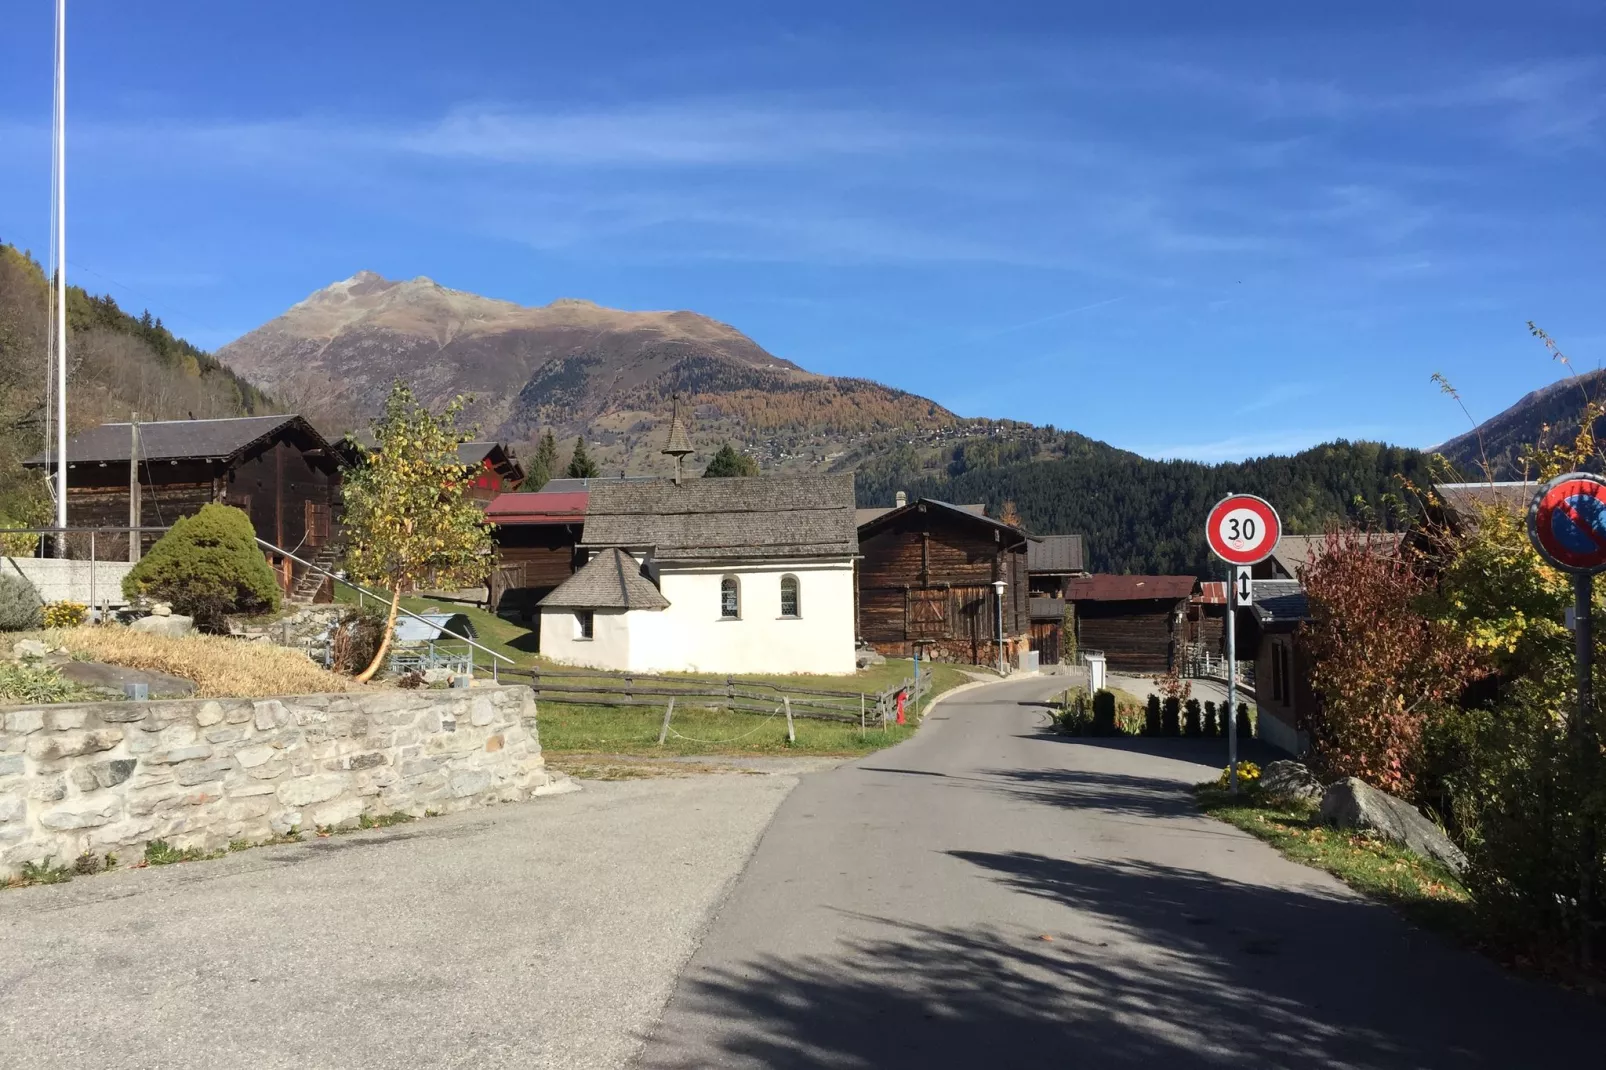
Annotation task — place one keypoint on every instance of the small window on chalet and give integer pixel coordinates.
(789, 606)
(584, 624)
(730, 599)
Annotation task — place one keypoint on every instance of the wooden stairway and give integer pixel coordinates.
(308, 584)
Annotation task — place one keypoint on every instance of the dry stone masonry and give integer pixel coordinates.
(112, 776)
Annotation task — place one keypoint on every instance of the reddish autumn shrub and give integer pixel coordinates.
(1379, 666)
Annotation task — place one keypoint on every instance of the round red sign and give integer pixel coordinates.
(1567, 522)
(1243, 529)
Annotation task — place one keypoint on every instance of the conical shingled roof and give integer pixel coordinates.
(679, 443)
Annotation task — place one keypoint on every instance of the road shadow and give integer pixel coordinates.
(1126, 794)
(1156, 967)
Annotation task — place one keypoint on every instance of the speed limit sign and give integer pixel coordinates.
(1243, 529)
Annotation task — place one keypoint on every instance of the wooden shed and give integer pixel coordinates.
(1048, 629)
(495, 469)
(1139, 622)
(536, 535)
(278, 469)
(925, 581)
(1053, 561)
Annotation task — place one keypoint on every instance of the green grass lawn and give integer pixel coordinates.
(633, 730)
(1421, 889)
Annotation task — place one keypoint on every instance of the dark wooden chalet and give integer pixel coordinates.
(278, 469)
(1053, 562)
(1139, 622)
(1269, 632)
(536, 535)
(496, 469)
(925, 582)
(1048, 629)
(1207, 618)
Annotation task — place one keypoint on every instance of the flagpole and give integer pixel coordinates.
(61, 274)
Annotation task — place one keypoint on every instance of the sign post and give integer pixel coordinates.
(1242, 530)
(1567, 525)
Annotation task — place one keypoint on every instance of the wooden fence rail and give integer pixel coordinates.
(625, 690)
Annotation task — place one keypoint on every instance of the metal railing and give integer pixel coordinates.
(442, 629)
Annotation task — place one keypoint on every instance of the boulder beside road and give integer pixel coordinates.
(1354, 804)
(172, 624)
(1290, 780)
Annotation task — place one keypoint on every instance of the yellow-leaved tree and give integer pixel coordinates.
(408, 519)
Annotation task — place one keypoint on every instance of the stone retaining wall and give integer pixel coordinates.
(112, 776)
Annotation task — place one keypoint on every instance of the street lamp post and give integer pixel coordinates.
(998, 590)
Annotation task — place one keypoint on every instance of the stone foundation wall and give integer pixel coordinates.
(112, 776)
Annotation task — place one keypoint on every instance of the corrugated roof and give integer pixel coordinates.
(171, 440)
(414, 630)
(1107, 588)
(1055, 553)
(721, 519)
(610, 580)
(1466, 498)
(1046, 608)
(538, 507)
(1280, 601)
(1212, 593)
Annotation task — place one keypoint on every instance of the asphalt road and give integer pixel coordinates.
(989, 895)
(543, 934)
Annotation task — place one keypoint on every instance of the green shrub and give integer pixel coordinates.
(1211, 727)
(1171, 717)
(1191, 714)
(207, 566)
(1104, 713)
(1151, 717)
(1245, 729)
(34, 683)
(1076, 719)
(21, 608)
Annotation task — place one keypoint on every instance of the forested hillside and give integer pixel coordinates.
(119, 364)
(1146, 516)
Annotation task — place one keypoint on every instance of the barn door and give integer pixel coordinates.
(505, 577)
(317, 523)
(926, 614)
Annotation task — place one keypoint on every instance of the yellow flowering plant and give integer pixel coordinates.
(1248, 775)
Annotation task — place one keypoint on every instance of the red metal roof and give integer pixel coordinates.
(1106, 588)
(1212, 593)
(538, 507)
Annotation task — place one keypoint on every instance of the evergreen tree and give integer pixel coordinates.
(581, 466)
(730, 462)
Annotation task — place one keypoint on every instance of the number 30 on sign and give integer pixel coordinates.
(1243, 529)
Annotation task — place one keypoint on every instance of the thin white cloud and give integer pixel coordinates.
(1253, 444)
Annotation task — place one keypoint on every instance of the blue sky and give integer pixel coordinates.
(1191, 230)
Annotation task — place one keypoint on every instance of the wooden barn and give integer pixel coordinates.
(926, 578)
(1048, 629)
(1138, 622)
(496, 469)
(1053, 561)
(278, 469)
(536, 534)
(1207, 618)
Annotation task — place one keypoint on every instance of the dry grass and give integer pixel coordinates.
(221, 667)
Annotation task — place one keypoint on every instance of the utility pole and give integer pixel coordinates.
(133, 488)
(61, 275)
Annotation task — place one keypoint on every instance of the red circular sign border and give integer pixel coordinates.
(1541, 507)
(1267, 513)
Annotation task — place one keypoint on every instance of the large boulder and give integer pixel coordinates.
(865, 658)
(173, 624)
(1291, 781)
(1354, 804)
(115, 677)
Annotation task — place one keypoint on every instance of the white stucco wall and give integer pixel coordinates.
(691, 636)
(609, 647)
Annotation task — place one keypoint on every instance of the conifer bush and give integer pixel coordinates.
(1151, 717)
(1171, 717)
(1245, 729)
(21, 608)
(1104, 713)
(1191, 721)
(1211, 726)
(207, 566)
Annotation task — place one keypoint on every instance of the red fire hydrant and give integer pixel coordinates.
(900, 707)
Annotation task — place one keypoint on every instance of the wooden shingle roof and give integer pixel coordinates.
(726, 519)
(172, 440)
(1056, 554)
(610, 580)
